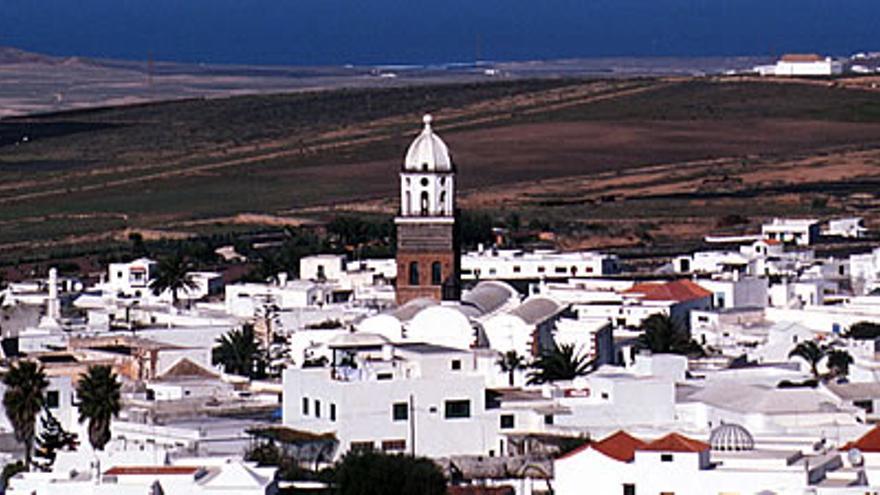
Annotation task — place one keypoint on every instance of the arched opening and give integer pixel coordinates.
(436, 273)
(424, 205)
(407, 206)
(442, 203)
(414, 273)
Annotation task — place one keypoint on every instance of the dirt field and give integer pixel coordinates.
(674, 154)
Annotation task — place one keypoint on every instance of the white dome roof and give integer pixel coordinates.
(731, 437)
(382, 324)
(428, 153)
(441, 325)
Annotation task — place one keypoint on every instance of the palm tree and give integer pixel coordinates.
(838, 362)
(662, 334)
(239, 353)
(510, 362)
(98, 392)
(172, 274)
(25, 396)
(810, 352)
(562, 362)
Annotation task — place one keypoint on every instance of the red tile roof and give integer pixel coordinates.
(151, 470)
(869, 442)
(480, 490)
(678, 290)
(674, 442)
(620, 446)
(801, 57)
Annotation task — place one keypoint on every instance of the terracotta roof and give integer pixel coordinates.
(771, 242)
(678, 290)
(480, 490)
(674, 442)
(869, 442)
(620, 446)
(801, 57)
(151, 470)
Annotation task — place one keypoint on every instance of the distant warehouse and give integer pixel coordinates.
(802, 65)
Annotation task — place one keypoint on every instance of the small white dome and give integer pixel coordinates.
(441, 325)
(428, 153)
(382, 324)
(731, 437)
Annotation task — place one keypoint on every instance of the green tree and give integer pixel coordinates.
(510, 362)
(240, 354)
(99, 402)
(838, 362)
(662, 334)
(810, 352)
(11, 470)
(562, 362)
(374, 473)
(864, 330)
(172, 273)
(25, 396)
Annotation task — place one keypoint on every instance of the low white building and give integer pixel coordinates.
(853, 227)
(801, 232)
(407, 398)
(802, 65)
(676, 464)
(515, 264)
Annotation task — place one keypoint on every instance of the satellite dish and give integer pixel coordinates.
(855, 457)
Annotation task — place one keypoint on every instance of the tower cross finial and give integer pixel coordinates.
(427, 119)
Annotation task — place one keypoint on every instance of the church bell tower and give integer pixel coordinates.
(428, 252)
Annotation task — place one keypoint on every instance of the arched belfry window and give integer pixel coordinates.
(408, 204)
(414, 273)
(424, 205)
(442, 203)
(436, 273)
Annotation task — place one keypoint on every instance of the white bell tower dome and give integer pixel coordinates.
(427, 180)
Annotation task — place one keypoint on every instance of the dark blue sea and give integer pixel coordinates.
(334, 32)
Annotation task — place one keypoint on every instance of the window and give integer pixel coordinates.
(666, 458)
(456, 409)
(424, 182)
(867, 405)
(456, 364)
(400, 411)
(541, 269)
(384, 376)
(436, 273)
(516, 269)
(393, 445)
(414, 273)
(361, 446)
(305, 406)
(424, 203)
(548, 419)
(52, 399)
(332, 412)
(317, 408)
(560, 269)
(506, 421)
(629, 489)
(605, 395)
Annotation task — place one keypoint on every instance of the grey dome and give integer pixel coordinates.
(731, 437)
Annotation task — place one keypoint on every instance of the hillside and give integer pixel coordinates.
(542, 147)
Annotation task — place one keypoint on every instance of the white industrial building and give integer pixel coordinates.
(802, 65)
(515, 264)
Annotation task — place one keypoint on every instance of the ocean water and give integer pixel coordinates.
(335, 32)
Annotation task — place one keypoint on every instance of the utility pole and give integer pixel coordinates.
(412, 425)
